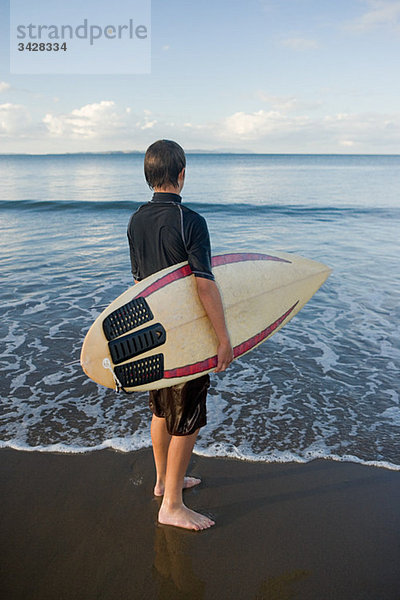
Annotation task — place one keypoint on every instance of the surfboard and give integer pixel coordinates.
(157, 334)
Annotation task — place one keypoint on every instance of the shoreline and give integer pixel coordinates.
(85, 526)
(292, 459)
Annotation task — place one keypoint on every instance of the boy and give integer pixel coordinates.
(162, 233)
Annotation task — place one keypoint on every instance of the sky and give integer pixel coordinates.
(273, 76)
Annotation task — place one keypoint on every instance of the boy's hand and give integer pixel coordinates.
(225, 356)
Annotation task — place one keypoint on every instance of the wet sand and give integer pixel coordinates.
(84, 526)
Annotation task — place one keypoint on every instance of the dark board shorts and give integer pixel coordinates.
(183, 406)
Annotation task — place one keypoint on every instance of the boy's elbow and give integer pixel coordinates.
(205, 286)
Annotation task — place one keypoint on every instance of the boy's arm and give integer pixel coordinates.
(134, 266)
(211, 300)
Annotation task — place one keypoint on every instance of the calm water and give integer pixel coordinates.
(327, 385)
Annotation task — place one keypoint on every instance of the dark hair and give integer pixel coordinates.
(163, 162)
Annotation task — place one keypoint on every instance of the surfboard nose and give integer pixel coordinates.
(322, 276)
(324, 272)
(307, 267)
(321, 268)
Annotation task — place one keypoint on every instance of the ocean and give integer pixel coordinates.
(325, 386)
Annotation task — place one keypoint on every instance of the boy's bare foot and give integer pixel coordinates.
(184, 517)
(188, 482)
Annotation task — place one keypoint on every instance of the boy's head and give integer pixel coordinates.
(163, 162)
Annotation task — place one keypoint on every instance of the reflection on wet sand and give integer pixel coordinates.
(173, 565)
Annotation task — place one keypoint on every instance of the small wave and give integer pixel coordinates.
(295, 210)
(67, 205)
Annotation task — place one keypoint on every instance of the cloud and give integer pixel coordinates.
(380, 13)
(261, 123)
(4, 86)
(100, 119)
(363, 130)
(147, 122)
(299, 44)
(15, 120)
(266, 130)
(281, 127)
(287, 103)
(284, 103)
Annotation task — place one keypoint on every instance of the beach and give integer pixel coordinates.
(83, 526)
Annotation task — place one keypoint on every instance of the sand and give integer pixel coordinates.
(84, 526)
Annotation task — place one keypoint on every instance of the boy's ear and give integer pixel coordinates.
(182, 174)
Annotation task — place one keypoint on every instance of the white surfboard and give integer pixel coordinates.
(157, 334)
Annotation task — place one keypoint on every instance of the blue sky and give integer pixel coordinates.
(255, 75)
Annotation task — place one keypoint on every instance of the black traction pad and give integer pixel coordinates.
(136, 343)
(140, 372)
(127, 317)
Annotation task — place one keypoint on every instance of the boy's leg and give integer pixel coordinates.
(173, 511)
(161, 440)
(177, 410)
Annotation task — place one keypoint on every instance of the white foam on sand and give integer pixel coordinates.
(119, 444)
(217, 450)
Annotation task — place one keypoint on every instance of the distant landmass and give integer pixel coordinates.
(113, 152)
(190, 151)
(219, 151)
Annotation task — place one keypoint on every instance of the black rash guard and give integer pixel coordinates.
(164, 232)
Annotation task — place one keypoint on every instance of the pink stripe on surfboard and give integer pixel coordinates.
(221, 259)
(163, 281)
(226, 259)
(210, 363)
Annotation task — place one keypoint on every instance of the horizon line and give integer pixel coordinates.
(199, 151)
